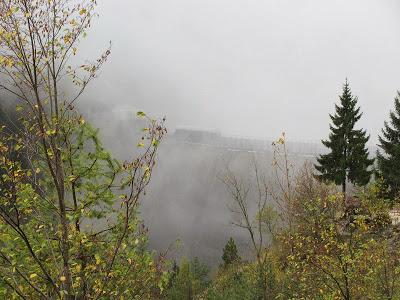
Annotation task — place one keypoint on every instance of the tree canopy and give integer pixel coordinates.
(388, 155)
(68, 215)
(348, 159)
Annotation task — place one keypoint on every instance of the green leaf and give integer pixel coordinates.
(141, 114)
(155, 142)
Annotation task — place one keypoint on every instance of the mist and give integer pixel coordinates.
(248, 69)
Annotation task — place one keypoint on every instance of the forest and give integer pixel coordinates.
(70, 212)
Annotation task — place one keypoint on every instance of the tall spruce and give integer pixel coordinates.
(348, 159)
(388, 155)
(230, 254)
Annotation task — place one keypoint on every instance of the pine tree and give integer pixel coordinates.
(388, 156)
(230, 254)
(348, 158)
(190, 280)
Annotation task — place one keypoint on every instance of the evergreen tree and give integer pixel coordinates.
(190, 280)
(230, 253)
(8, 118)
(388, 156)
(173, 274)
(348, 158)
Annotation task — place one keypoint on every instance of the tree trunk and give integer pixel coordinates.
(344, 188)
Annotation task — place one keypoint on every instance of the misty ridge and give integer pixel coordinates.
(187, 186)
(199, 150)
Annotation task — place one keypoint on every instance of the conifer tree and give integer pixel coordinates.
(230, 253)
(348, 159)
(388, 156)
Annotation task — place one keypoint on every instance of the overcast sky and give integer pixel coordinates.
(249, 67)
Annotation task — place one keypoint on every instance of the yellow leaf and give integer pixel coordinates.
(33, 275)
(78, 268)
(98, 259)
(62, 278)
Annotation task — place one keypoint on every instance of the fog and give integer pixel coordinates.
(239, 68)
(249, 68)
(186, 199)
